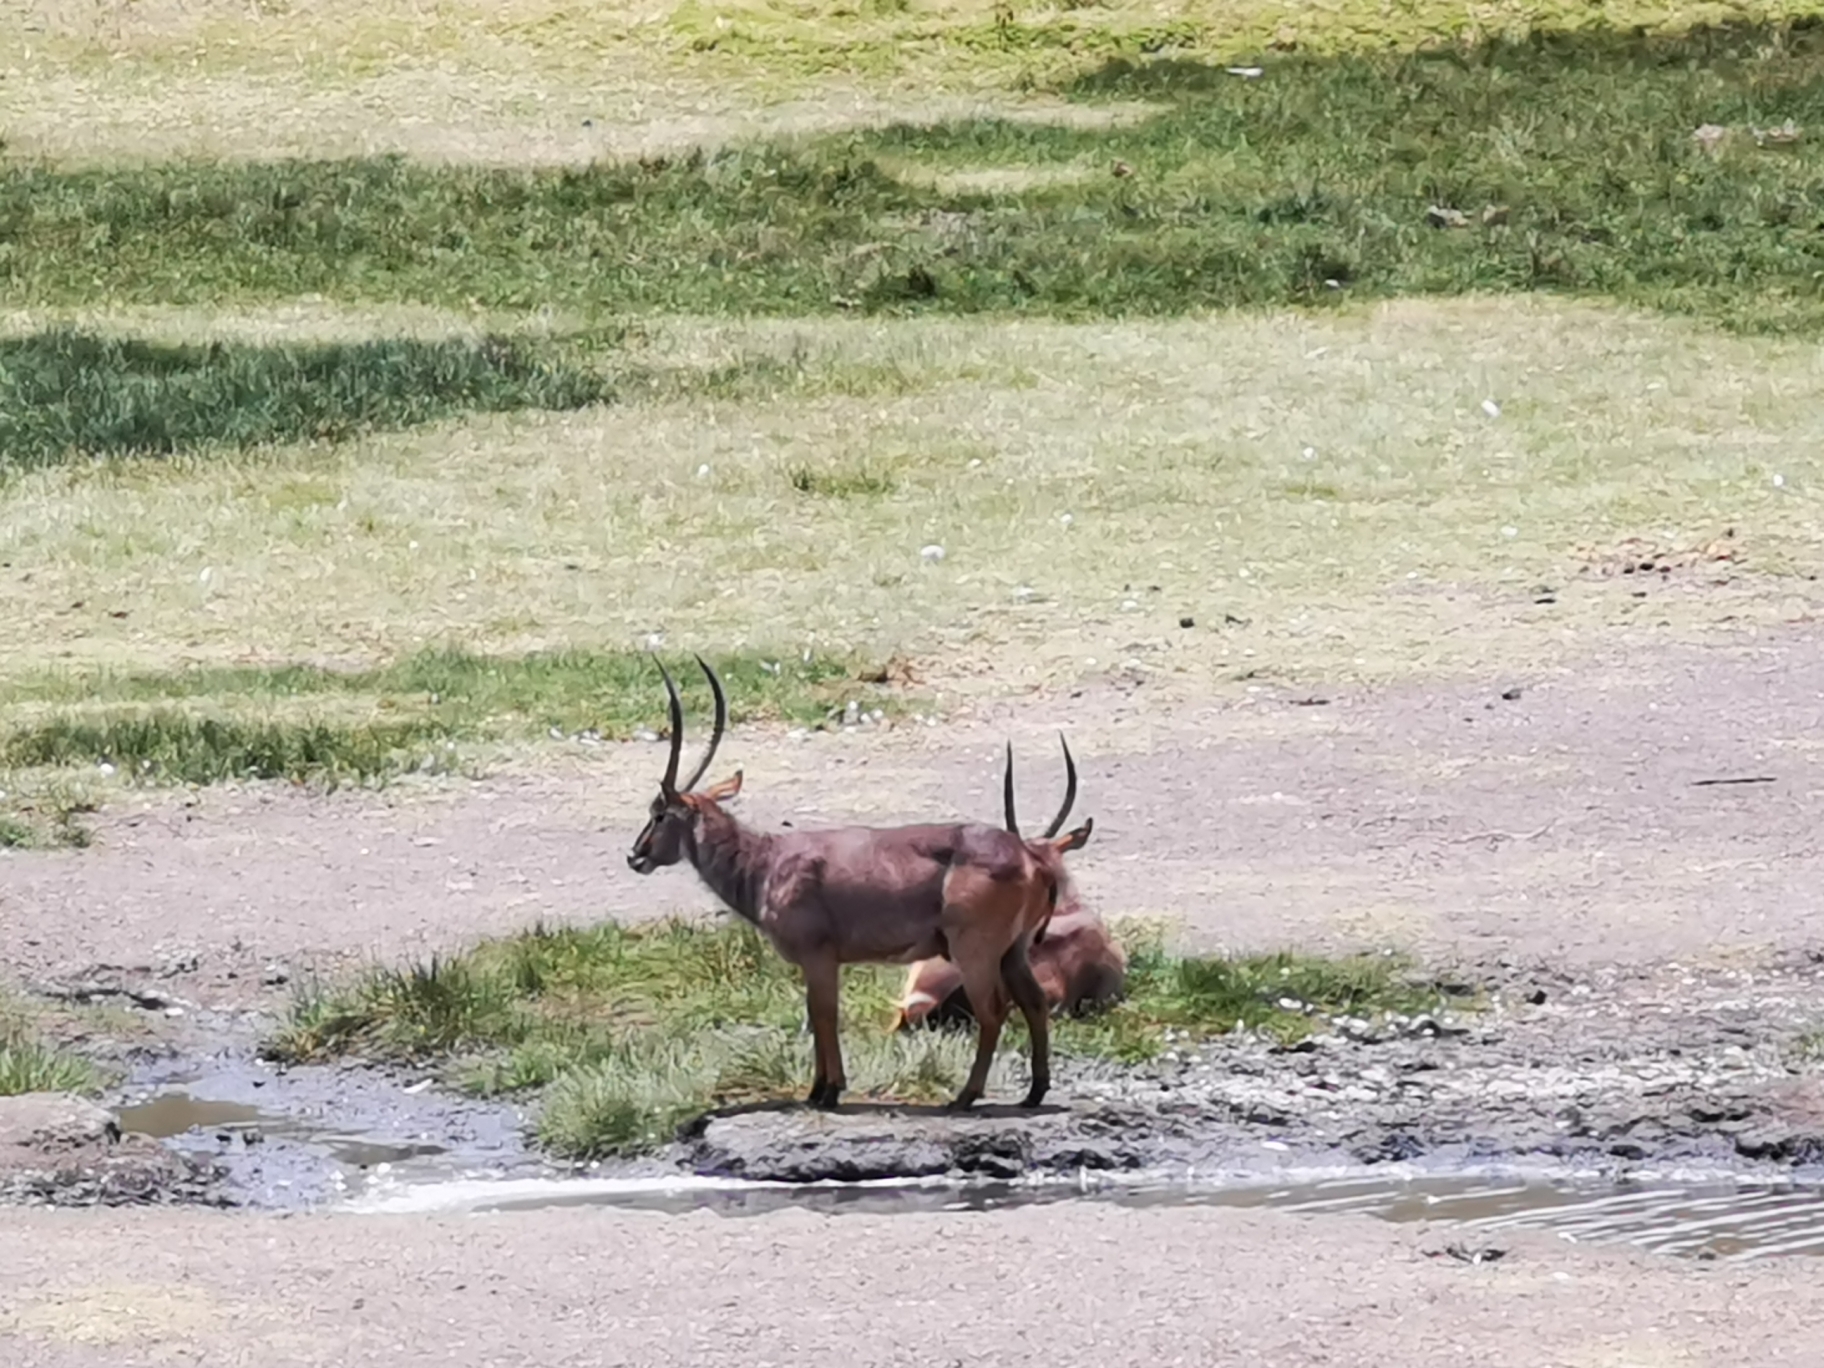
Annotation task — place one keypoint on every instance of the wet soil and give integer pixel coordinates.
(1612, 1075)
(63, 1151)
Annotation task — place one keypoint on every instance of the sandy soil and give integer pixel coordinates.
(1058, 1285)
(1576, 824)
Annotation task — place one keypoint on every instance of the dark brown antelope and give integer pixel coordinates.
(968, 892)
(1075, 960)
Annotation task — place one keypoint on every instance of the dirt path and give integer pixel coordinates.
(1057, 1286)
(1570, 824)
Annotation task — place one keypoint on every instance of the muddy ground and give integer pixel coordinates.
(1649, 940)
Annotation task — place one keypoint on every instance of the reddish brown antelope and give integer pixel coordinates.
(1076, 961)
(969, 892)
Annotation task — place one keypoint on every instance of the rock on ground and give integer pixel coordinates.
(57, 1149)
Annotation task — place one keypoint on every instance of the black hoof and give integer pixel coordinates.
(963, 1101)
(823, 1096)
(1034, 1098)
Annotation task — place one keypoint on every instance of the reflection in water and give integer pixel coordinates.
(173, 1114)
(1723, 1220)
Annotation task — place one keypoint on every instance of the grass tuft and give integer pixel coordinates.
(858, 481)
(45, 810)
(1808, 1047)
(171, 747)
(67, 394)
(631, 1031)
(1283, 996)
(30, 1064)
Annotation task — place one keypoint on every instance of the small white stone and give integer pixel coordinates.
(932, 553)
(1491, 408)
(105, 767)
(703, 471)
(1510, 531)
(1065, 519)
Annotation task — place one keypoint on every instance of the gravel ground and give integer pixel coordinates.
(1059, 1285)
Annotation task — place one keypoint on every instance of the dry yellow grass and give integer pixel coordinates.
(1333, 482)
(525, 82)
(548, 81)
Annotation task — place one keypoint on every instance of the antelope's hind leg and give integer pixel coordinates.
(1023, 987)
(982, 982)
(980, 914)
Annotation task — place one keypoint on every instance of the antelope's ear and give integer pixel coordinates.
(1074, 840)
(725, 790)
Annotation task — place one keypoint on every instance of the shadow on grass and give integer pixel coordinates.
(633, 1033)
(67, 394)
(990, 1110)
(1565, 163)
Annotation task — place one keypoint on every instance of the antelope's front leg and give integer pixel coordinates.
(822, 992)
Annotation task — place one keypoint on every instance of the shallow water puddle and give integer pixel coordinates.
(199, 1123)
(1720, 1220)
(174, 1113)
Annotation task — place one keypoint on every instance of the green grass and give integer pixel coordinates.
(1308, 185)
(164, 745)
(194, 727)
(28, 1063)
(1808, 1048)
(631, 1030)
(44, 810)
(66, 394)
(1283, 996)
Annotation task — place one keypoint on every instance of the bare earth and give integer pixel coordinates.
(1570, 825)
(1566, 826)
(1049, 1286)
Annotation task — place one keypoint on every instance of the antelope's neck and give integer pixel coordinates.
(732, 860)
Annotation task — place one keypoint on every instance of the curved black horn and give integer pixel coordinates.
(1070, 789)
(669, 784)
(1013, 824)
(715, 737)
